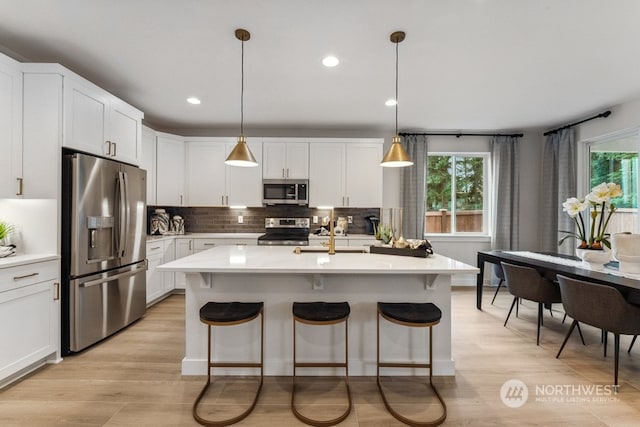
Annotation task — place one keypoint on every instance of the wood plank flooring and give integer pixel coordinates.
(133, 379)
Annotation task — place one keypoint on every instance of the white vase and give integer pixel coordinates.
(594, 259)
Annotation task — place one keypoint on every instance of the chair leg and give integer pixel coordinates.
(564, 318)
(497, 290)
(566, 338)
(539, 322)
(515, 300)
(606, 336)
(580, 332)
(616, 350)
(633, 341)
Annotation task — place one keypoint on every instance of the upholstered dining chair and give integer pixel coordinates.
(526, 283)
(602, 307)
(497, 270)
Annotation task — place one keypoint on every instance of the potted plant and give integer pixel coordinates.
(598, 204)
(5, 230)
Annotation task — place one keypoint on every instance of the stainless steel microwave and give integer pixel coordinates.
(285, 192)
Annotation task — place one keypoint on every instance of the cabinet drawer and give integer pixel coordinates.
(204, 244)
(27, 274)
(155, 248)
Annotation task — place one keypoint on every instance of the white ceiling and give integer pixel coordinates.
(465, 64)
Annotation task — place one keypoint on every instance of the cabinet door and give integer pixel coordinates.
(297, 166)
(363, 175)
(170, 171)
(10, 128)
(326, 174)
(244, 185)
(155, 279)
(205, 172)
(148, 162)
(125, 130)
(184, 247)
(85, 117)
(274, 155)
(169, 280)
(35, 309)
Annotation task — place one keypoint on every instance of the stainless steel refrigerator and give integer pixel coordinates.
(103, 248)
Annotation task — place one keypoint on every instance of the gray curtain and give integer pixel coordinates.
(558, 184)
(506, 190)
(414, 181)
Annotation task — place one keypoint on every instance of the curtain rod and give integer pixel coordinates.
(597, 116)
(458, 135)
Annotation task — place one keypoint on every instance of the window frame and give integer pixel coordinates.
(487, 199)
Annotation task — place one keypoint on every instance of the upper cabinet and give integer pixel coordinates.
(99, 123)
(10, 128)
(346, 174)
(148, 162)
(209, 182)
(170, 170)
(285, 160)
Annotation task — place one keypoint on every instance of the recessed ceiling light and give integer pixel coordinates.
(330, 61)
(193, 100)
(390, 102)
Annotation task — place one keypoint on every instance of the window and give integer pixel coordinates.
(616, 160)
(457, 193)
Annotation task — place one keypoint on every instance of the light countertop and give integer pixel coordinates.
(17, 260)
(282, 259)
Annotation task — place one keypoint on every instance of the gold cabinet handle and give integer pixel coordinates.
(25, 276)
(20, 181)
(56, 291)
(115, 147)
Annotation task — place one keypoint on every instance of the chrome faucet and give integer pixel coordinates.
(331, 244)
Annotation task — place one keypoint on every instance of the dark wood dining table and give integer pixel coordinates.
(630, 288)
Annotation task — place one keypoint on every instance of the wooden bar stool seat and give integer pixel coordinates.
(412, 315)
(229, 314)
(321, 313)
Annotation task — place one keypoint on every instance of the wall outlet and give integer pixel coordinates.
(315, 219)
(349, 219)
(240, 219)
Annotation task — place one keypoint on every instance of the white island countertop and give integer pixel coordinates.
(282, 259)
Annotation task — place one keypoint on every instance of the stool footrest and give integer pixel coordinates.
(403, 365)
(320, 365)
(234, 365)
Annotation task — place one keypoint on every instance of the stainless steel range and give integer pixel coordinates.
(285, 232)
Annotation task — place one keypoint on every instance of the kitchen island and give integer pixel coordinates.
(278, 276)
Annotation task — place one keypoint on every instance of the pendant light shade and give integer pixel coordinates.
(396, 157)
(241, 154)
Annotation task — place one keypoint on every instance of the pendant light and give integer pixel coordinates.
(396, 156)
(241, 154)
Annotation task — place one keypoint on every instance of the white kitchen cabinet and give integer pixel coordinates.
(10, 128)
(30, 317)
(363, 175)
(169, 280)
(210, 182)
(170, 170)
(99, 123)
(155, 279)
(148, 162)
(345, 174)
(285, 160)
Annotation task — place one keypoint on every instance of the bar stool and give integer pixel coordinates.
(413, 315)
(321, 313)
(229, 314)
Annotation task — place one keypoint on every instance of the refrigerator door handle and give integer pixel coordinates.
(114, 277)
(122, 214)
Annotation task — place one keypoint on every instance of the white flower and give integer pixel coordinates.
(599, 193)
(573, 206)
(614, 190)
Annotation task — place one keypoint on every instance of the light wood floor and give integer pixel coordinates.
(133, 379)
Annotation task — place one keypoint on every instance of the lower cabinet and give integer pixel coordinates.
(159, 283)
(29, 317)
(184, 247)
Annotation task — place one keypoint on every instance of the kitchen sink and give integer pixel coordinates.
(323, 249)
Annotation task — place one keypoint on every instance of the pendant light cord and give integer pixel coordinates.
(397, 43)
(242, 91)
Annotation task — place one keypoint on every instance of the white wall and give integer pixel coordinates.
(36, 222)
